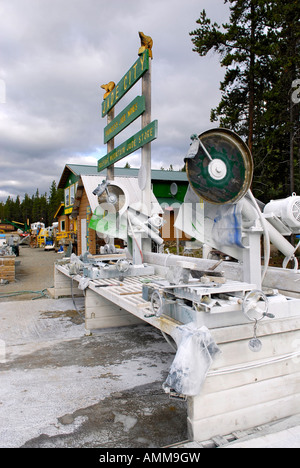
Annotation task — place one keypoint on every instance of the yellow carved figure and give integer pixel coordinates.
(146, 43)
(108, 88)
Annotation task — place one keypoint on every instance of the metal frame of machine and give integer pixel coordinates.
(250, 310)
(189, 292)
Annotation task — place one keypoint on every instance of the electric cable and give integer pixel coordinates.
(20, 293)
(168, 341)
(74, 300)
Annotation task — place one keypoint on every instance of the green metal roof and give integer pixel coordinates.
(156, 174)
(81, 169)
(77, 170)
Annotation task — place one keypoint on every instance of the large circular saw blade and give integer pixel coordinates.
(222, 170)
(114, 196)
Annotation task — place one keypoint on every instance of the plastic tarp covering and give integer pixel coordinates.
(226, 220)
(227, 227)
(196, 351)
(219, 226)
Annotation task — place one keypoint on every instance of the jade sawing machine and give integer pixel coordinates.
(121, 214)
(220, 211)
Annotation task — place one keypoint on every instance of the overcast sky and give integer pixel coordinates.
(55, 54)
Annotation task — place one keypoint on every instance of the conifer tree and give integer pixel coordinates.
(259, 47)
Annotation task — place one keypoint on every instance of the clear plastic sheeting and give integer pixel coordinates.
(227, 227)
(196, 351)
(5, 251)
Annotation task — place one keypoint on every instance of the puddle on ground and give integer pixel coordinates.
(76, 317)
(142, 417)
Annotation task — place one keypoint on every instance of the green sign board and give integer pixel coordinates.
(135, 142)
(129, 79)
(126, 117)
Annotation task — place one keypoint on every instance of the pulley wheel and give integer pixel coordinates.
(222, 170)
(113, 195)
(255, 305)
(156, 303)
(122, 265)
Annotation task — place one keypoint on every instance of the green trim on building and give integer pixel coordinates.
(161, 181)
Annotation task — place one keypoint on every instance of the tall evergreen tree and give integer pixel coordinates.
(282, 114)
(36, 206)
(26, 209)
(258, 47)
(240, 43)
(16, 210)
(56, 196)
(1, 211)
(31, 209)
(43, 207)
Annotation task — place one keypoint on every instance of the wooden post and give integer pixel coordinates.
(146, 149)
(110, 146)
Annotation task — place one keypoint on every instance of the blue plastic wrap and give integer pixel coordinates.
(227, 227)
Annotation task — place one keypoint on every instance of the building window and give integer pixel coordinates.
(67, 196)
(63, 225)
(72, 194)
(76, 184)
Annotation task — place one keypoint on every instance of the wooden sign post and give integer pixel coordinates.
(146, 149)
(110, 145)
(140, 106)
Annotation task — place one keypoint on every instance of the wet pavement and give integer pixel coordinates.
(60, 388)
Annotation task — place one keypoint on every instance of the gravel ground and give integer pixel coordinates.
(34, 272)
(60, 388)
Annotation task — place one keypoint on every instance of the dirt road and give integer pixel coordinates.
(34, 274)
(60, 388)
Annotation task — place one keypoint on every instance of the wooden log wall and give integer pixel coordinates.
(7, 268)
(91, 233)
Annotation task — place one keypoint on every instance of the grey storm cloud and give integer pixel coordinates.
(55, 54)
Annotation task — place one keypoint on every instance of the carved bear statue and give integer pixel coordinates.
(146, 43)
(108, 88)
